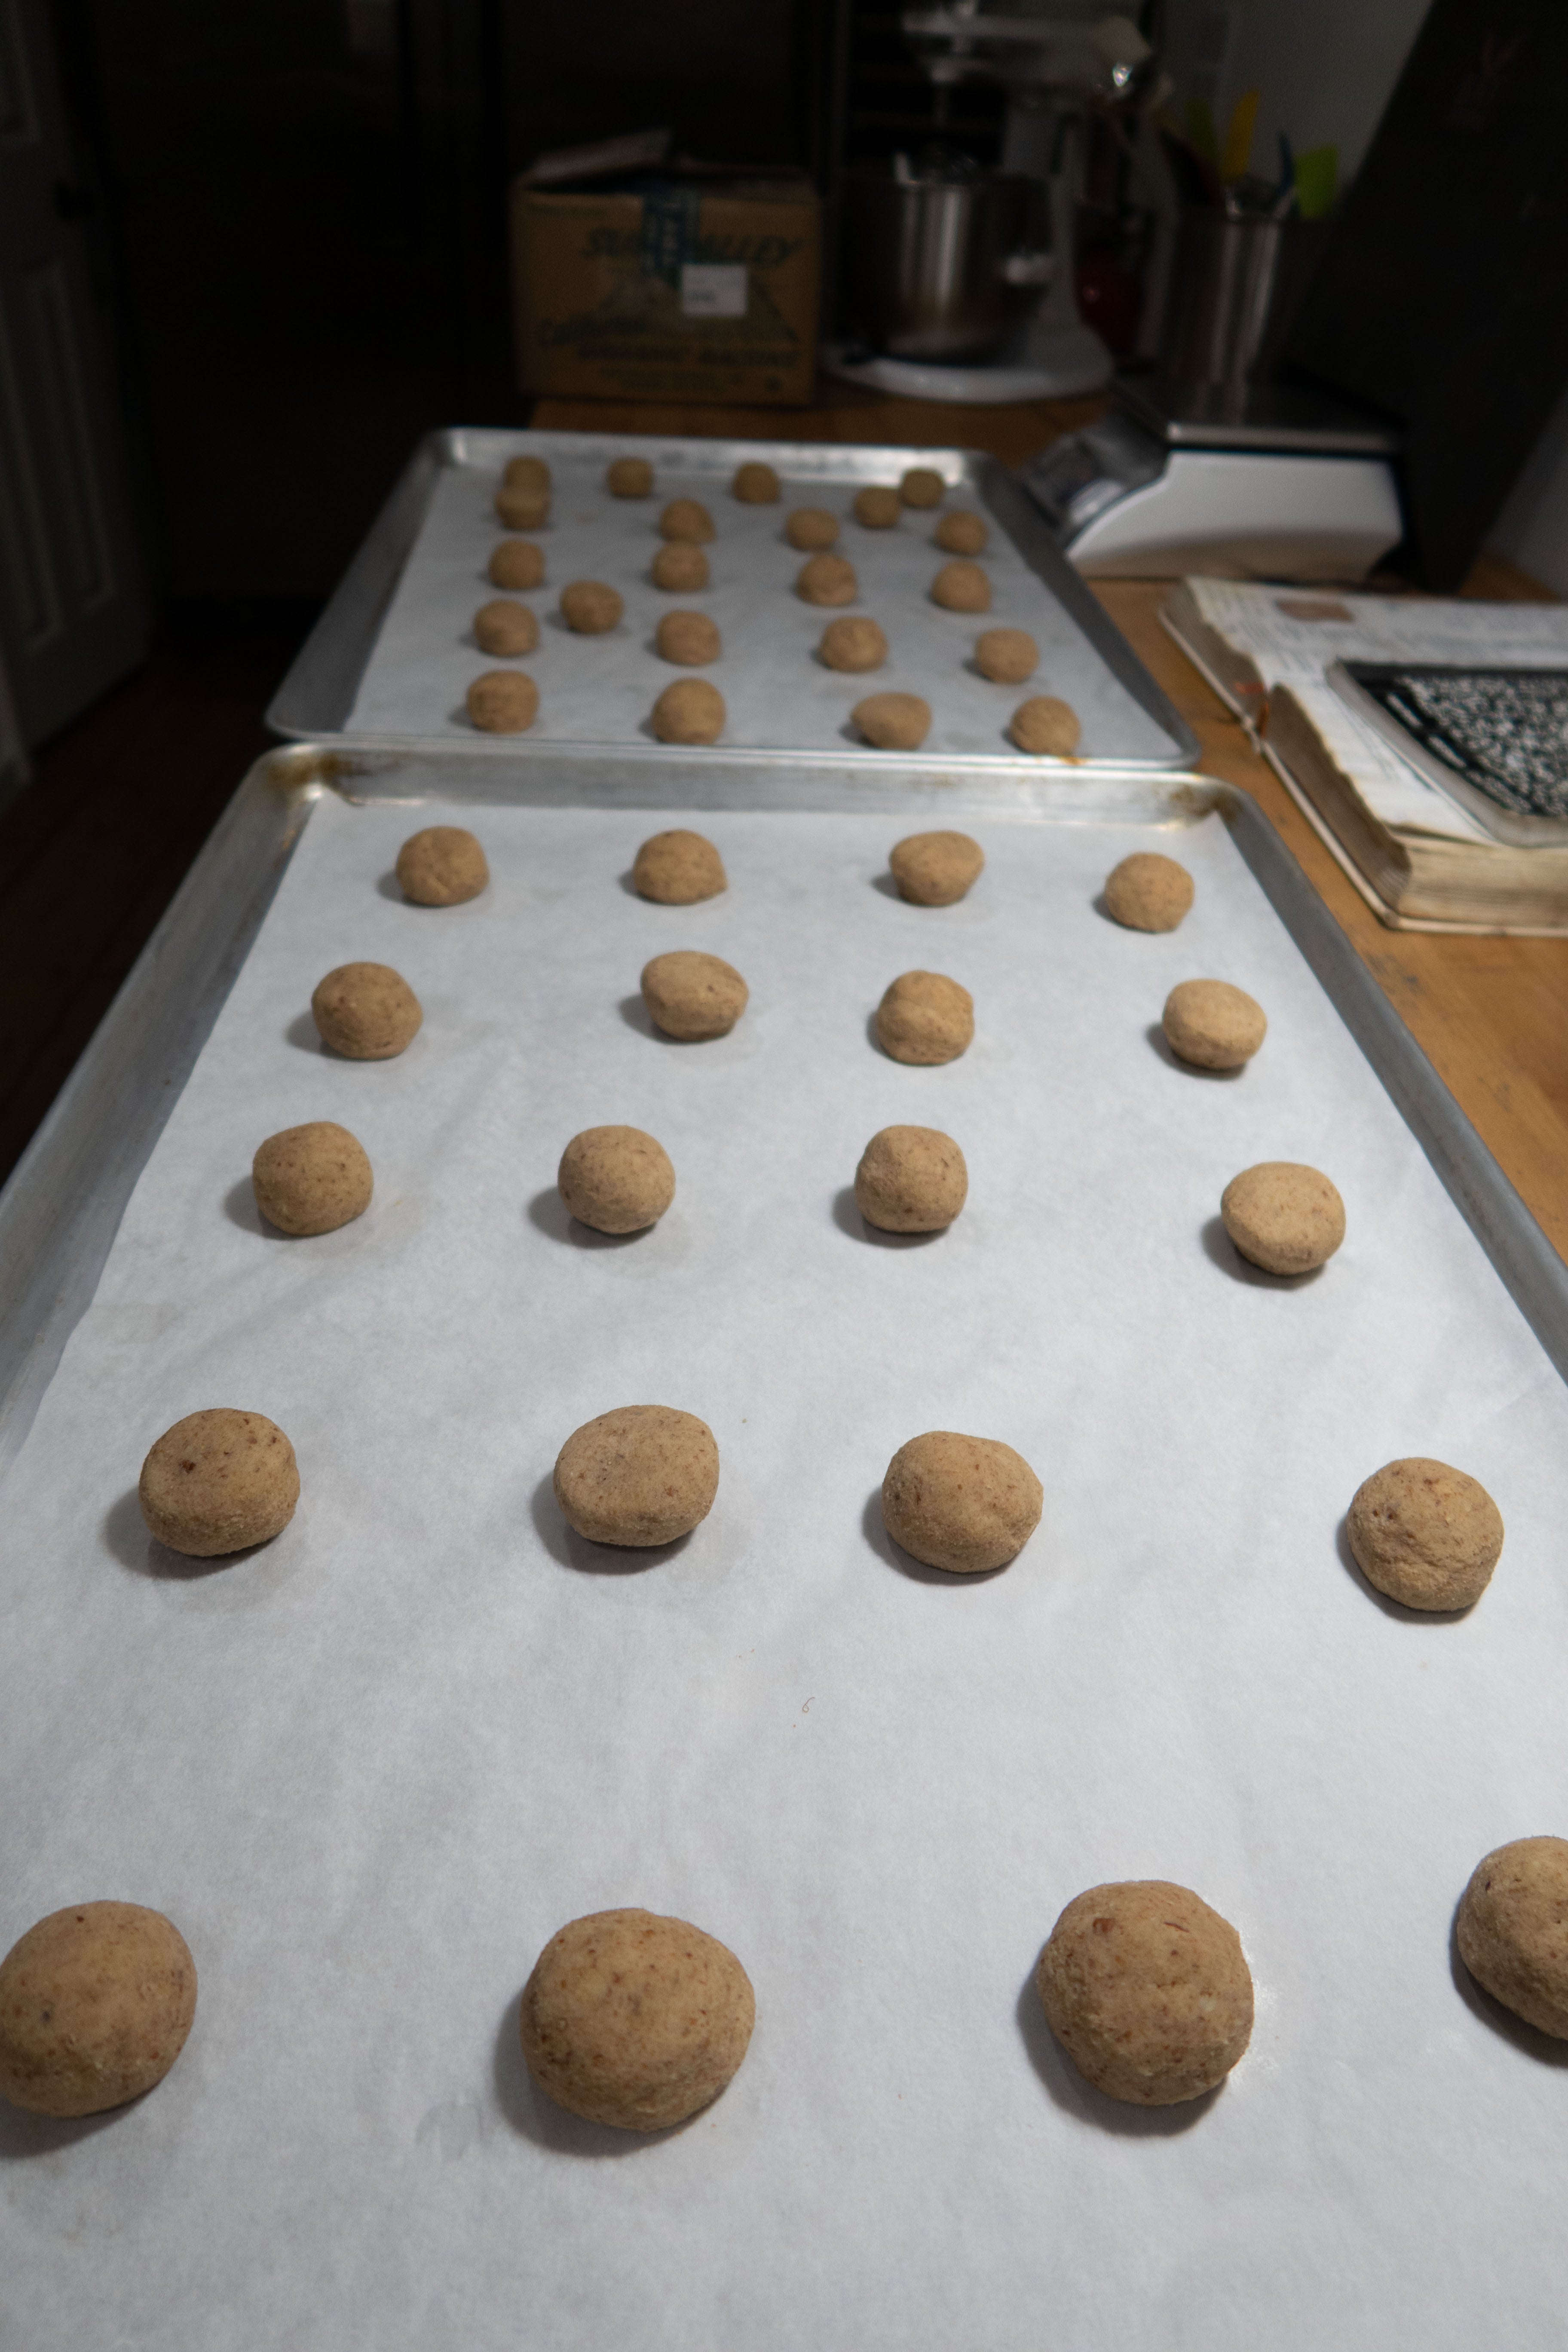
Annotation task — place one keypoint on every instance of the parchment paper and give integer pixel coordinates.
(777, 695)
(371, 1768)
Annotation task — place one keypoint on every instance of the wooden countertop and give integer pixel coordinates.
(1491, 1014)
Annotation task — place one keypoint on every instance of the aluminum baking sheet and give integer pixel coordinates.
(394, 656)
(371, 1768)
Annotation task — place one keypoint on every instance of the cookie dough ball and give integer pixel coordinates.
(893, 722)
(591, 607)
(961, 533)
(878, 508)
(1046, 727)
(630, 478)
(502, 702)
(965, 1503)
(690, 995)
(1426, 1535)
(935, 869)
(644, 1474)
(810, 528)
(677, 868)
(962, 588)
(910, 1180)
(1147, 1990)
(517, 563)
(218, 1482)
(1512, 1931)
(686, 519)
(503, 627)
(635, 2020)
(526, 473)
(922, 485)
(366, 1011)
(688, 637)
(1147, 893)
(925, 1017)
(442, 866)
(526, 507)
(1006, 656)
(1284, 1217)
(95, 2005)
(756, 485)
(678, 568)
(616, 1179)
(852, 643)
(1211, 1025)
(827, 580)
(689, 712)
(312, 1179)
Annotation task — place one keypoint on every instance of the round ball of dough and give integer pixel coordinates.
(635, 2020)
(1006, 656)
(366, 1011)
(442, 866)
(1426, 1535)
(218, 1482)
(691, 995)
(502, 702)
(756, 485)
(312, 1179)
(910, 1180)
(630, 478)
(1512, 1931)
(1213, 1024)
(676, 868)
(922, 485)
(1147, 1990)
(526, 507)
(686, 519)
(688, 637)
(616, 1179)
(526, 473)
(965, 1503)
(678, 568)
(1046, 727)
(689, 712)
(644, 1474)
(961, 533)
(1283, 1216)
(962, 588)
(893, 722)
(810, 528)
(591, 607)
(1147, 893)
(517, 563)
(935, 869)
(827, 580)
(852, 643)
(504, 627)
(925, 1017)
(95, 2005)
(876, 508)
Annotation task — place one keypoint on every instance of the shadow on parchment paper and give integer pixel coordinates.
(849, 1219)
(302, 1031)
(636, 1016)
(564, 1544)
(127, 1534)
(1172, 1061)
(23, 2134)
(889, 890)
(549, 1212)
(538, 2118)
(1385, 1602)
(1069, 2090)
(1490, 2011)
(1222, 1252)
(874, 1528)
(239, 1207)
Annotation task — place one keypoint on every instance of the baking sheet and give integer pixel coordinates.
(370, 1769)
(600, 690)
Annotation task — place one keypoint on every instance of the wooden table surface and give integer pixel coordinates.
(1491, 1014)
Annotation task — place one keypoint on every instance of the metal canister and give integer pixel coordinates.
(940, 270)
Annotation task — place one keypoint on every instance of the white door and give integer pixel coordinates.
(74, 608)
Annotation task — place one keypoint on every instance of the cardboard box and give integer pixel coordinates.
(688, 289)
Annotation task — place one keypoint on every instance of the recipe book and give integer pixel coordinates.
(1420, 860)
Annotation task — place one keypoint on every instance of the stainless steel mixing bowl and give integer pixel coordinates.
(935, 270)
